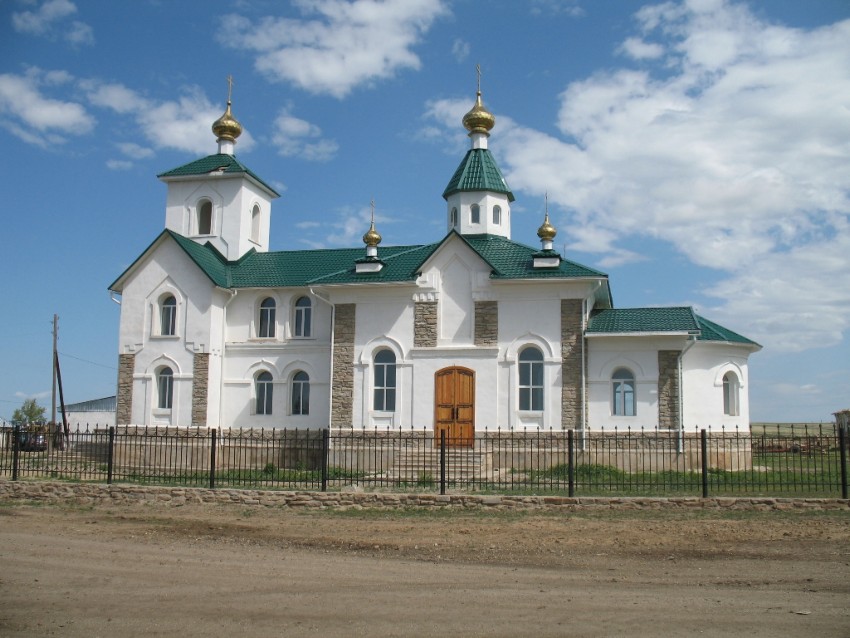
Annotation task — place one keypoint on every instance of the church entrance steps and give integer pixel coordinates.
(461, 465)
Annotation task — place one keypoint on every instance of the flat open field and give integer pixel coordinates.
(251, 571)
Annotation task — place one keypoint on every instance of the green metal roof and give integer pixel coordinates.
(478, 172)
(218, 163)
(677, 319)
(710, 331)
(402, 264)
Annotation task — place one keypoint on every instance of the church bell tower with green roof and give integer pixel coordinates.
(218, 200)
(478, 198)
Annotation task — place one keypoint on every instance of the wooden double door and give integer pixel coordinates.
(454, 406)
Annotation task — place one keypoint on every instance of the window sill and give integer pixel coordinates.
(166, 337)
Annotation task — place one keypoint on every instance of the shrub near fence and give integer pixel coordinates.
(805, 461)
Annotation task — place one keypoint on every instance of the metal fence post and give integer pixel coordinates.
(110, 454)
(326, 450)
(442, 462)
(842, 444)
(16, 444)
(703, 438)
(212, 458)
(571, 465)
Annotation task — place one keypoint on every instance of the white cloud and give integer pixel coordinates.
(80, 33)
(734, 148)
(295, 137)
(348, 44)
(640, 50)
(183, 124)
(50, 18)
(460, 50)
(134, 151)
(118, 165)
(40, 119)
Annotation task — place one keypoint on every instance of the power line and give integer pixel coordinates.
(94, 363)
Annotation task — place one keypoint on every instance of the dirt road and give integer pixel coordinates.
(249, 571)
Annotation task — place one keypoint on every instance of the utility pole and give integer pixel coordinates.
(53, 365)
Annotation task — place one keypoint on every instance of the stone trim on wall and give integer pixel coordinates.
(425, 324)
(200, 387)
(124, 399)
(572, 346)
(486, 323)
(149, 496)
(668, 389)
(342, 385)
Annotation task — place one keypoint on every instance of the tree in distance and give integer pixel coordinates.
(29, 412)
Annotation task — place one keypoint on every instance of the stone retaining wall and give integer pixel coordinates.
(99, 494)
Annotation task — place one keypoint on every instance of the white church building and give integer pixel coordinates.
(473, 332)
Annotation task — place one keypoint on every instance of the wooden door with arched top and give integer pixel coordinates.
(454, 406)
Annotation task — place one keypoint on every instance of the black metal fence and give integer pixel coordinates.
(786, 460)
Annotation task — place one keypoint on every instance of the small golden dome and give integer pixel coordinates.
(227, 127)
(547, 231)
(479, 119)
(372, 237)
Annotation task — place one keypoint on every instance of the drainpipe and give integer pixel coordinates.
(692, 339)
(112, 296)
(233, 293)
(331, 379)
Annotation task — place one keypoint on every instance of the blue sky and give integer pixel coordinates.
(698, 152)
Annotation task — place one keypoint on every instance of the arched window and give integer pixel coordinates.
(303, 317)
(475, 214)
(385, 381)
(730, 394)
(497, 215)
(301, 393)
(168, 316)
(205, 217)
(164, 388)
(623, 384)
(267, 318)
(264, 387)
(255, 224)
(453, 218)
(530, 379)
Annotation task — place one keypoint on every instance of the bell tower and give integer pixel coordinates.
(477, 197)
(219, 200)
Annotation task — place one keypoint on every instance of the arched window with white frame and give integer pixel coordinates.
(623, 393)
(453, 218)
(303, 317)
(204, 217)
(300, 393)
(531, 390)
(384, 387)
(266, 328)
(164, 388)
(475, 214)
(497, 215)
(255, 224)
(731, 394)
(264, 391)
(168, 316)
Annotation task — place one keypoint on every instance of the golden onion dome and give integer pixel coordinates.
(547, 231)
(227, 127)
(479, 119)
(372, 237)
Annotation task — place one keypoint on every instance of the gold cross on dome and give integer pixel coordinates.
(478, 73)
(229, 86)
